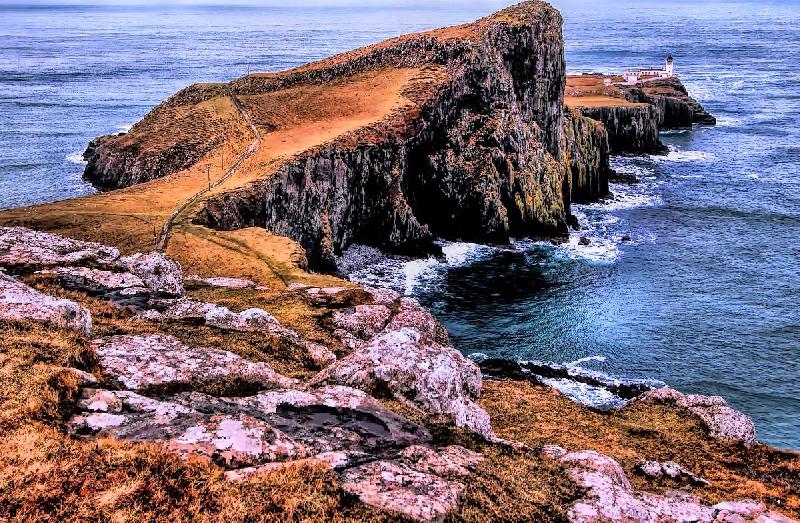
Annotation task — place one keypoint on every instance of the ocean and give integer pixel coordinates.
(703, 299)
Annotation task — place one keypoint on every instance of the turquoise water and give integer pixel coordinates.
(704, 298)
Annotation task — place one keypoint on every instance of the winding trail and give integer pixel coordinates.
(163, 238)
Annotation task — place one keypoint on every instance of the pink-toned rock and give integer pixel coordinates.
(97, 279)
(723, 422)
(29, 250)
(20, 302)
(669, 469)
(439, 380)
(450, 461)
(400, 489)
(157, 271)
(362, 321)
(236, 441)
(139, 362)
(330, 460)
(383, 296)
(229, 283)
(610, 498)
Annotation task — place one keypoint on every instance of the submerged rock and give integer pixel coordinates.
(20, 302)
(723, 422)
(140, 362)
(26, 250)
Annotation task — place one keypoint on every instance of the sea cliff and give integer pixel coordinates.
(167, 354)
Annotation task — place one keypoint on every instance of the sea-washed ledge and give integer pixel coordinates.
(248, 418)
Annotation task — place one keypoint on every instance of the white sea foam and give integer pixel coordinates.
(676, 155)
(76, 158)
(595, 397)
(729, 121)
(124, 128)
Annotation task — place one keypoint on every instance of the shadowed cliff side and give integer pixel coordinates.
(479, 150)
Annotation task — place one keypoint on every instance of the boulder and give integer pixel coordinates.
(400, 489)
(228, 283)
(723, 422)
(157, 271)
(26, 250)
(669, 469)
(97, 280)
(438, 380)
(610, 498)
(20, 302)
(140, 362)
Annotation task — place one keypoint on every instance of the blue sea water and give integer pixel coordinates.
(705, 296)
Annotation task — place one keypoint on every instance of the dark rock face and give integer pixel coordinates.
(676, 108)
(587, 158)
(631, 129)
(483, 159)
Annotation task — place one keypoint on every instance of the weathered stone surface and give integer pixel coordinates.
(24, 249)
(157, 271)
(450, 461)
(722, 421)
(362, 321)
(611, 498)
(139, 362)
(669, 469)
(21, 302)
(403, 490)
(230, 283)
(439, 380)
(97, 280)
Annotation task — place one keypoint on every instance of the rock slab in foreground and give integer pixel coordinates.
(438, 380)
(20, 302)
(611, 498)
(140, 362)
(24, 249)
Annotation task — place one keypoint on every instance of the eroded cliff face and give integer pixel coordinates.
(632, 129)
(587, 157)
(481, 151)
(482, 157)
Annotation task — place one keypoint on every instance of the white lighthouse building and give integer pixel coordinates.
(635, 76)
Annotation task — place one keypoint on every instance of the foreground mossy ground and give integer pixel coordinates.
(47, 475)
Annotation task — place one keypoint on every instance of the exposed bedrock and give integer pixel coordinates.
(631, 129)
(587, 157)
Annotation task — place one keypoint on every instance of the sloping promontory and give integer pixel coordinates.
(476, 147)
(633, 115)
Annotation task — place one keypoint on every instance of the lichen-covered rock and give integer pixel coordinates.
(362, 321)
(229, 283)
(450, 461)
(26, 250)
(669, 469)
(157, 271)
(439, 380)
(140, 362)
(97, 280)
(722, 421)
(401, 489)
(610, 498)
(20, 302)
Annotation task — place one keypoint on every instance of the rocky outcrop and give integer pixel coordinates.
(722, 421)
(675, 108)
(142, 362)
(160, 273)
(632, 129)
(611, 498)
(587, 156)
(21, 303)
(26, 250)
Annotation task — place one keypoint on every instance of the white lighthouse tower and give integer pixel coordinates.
(670, 66)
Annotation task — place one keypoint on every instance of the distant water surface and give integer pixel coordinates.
(705, 296)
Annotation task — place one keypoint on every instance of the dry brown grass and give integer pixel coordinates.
(537, 416)
(598, 101)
